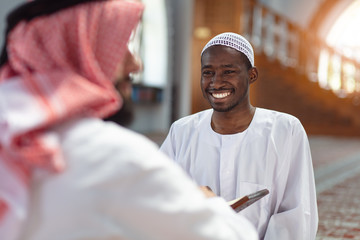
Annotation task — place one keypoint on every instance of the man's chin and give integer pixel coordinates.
(222, 108)
(124, 116)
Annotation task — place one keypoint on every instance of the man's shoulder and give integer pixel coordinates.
(276, 122)
(277, 116)
(108, 136)
(127, 137)
(279, 126)
(193, 120)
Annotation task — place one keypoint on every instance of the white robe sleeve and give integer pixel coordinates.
(296, 216)
(117, 185)
(167, 146)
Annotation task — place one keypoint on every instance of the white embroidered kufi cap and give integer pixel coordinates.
(234, 41)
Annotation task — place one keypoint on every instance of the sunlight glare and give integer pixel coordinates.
(344, 35)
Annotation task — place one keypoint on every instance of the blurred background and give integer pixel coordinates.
(307, 53)
(308, 56)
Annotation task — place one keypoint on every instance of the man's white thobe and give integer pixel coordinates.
(272, 153)
(116, 185)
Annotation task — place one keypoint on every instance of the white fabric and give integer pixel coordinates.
(17, 102)
(15, 193)
(272, 153)
(17, 108)
(235, 41)
(116, 185)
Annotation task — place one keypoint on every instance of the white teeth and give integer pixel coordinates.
(220, 95)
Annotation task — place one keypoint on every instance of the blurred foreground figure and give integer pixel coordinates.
(64, 172)
(237, 149)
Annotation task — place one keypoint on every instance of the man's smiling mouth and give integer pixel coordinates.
(220, 95)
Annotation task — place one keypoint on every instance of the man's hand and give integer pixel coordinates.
(207, 191)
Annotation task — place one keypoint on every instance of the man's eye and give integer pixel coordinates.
(229, 71)
(207, 73)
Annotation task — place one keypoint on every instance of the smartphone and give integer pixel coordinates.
(243, 202)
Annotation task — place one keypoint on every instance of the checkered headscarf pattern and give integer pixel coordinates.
(234, 41)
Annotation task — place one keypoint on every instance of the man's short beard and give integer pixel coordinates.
(125, 115)
(227, 109)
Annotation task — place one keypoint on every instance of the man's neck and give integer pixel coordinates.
(233, 121)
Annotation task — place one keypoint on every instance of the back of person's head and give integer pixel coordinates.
(58, 65)
(65, 58)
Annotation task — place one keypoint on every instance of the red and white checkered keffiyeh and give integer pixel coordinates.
(67, 62)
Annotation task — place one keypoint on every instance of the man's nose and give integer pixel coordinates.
(217, 79)
(134, 63)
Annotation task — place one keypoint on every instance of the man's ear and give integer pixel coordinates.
(253, 74)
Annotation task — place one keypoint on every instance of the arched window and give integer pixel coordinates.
(341, 73)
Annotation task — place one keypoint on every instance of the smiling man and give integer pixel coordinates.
(236, 148)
